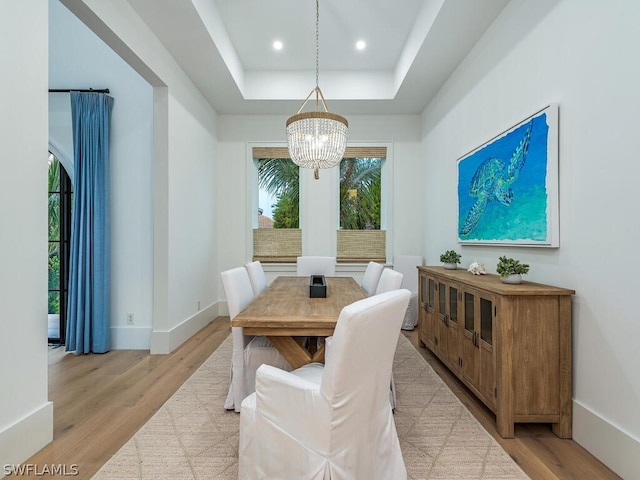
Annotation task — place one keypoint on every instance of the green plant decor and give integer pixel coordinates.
(450, 256)
(509, 266)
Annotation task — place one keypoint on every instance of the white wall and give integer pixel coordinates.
(79, 59)
(192, 232)
(179, 234)
(319, 206)
(581, 55)
(26, 417)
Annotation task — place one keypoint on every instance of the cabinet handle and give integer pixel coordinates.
(474, 339)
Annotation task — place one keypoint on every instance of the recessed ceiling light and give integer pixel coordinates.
(277, 45)
(361, 44)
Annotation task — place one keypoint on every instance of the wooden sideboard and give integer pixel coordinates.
(510, 344)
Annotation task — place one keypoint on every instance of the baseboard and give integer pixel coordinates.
(163, 342)
(131, 338)
(608, 443)
(25, 438)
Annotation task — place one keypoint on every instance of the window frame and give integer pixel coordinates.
(363, 246)
(65, 192)
(332, 176)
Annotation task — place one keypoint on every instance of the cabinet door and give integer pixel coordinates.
(469, 351)
(443, 333)
(429, 324)
(477, 361)
(451, 321)
(422, 308)
(487, 313)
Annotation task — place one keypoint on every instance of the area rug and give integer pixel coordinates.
(193, 437)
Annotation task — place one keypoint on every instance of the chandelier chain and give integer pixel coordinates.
(316, 139)
(317, 49)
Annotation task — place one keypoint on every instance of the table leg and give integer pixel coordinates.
(292, 351)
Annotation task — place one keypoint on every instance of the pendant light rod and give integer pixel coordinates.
(318, 56)
(316, 139)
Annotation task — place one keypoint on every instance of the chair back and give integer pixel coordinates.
(389, 280)
(257, 277)
(356, 376)
(371, 277)
(238, 289)
(406, 264)
(313, 265)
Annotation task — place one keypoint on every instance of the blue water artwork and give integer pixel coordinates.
(504, 193)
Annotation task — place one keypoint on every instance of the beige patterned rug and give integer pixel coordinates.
(193, 437)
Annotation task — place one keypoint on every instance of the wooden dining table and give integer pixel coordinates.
(288, 317)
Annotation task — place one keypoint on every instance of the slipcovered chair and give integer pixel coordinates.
(257, 277)
(333, 421)
(406, 264)
(389, 280)
(249, 352)
(311, 265)
(371, 277)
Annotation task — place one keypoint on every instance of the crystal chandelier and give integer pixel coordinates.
(316, 139)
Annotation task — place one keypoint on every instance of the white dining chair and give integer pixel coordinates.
(257, 277)
(407, 265)
(371, 277)
(249, 352)
(314, 265)
(333, 420)
(389, 280)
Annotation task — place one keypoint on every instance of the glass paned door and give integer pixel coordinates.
(59, 226)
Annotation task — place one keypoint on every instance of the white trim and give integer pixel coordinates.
(386, 194)
(612, 446)
(19, 441)
(164, 342)
(67, 163)
(131, 338)
(386, 213)
(252, 190)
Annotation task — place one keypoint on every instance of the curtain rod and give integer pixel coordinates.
(67, 90)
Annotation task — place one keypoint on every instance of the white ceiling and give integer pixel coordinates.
(225, 46)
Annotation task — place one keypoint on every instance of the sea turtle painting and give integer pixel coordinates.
(492, 181)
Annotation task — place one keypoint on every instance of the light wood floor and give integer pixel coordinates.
(100, 401)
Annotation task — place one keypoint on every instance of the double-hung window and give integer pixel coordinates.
(277, 236)
(360, 237)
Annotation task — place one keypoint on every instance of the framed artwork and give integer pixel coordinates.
(508, 187)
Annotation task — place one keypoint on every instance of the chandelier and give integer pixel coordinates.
(316, 139)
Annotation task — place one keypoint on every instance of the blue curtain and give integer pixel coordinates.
(88, 314)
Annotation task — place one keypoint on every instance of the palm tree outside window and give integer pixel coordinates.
(360, 238)
(278, 237)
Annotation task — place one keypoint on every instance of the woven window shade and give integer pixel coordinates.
(359, 246)
(285, 245)
(277, 244)
(351, 152)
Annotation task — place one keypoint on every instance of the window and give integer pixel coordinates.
(59, 206)
(277, 237)
(291, 211)
(279, 193)
(360, 237)
(360, 190)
